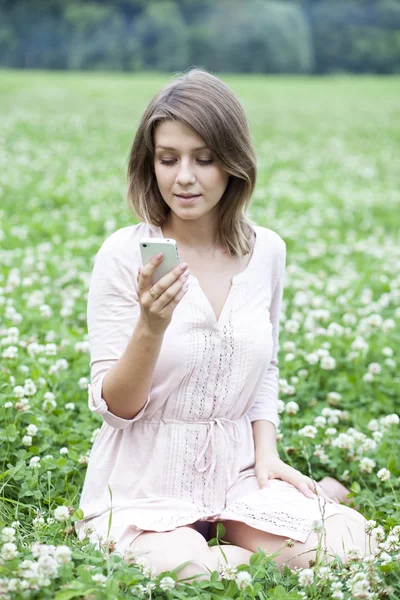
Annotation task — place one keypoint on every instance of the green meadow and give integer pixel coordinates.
(328, 154)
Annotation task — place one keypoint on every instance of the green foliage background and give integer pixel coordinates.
(252, 36)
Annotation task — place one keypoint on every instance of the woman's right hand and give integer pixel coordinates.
(156, 315)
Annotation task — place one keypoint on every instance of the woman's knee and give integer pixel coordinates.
(167, 550)
(347, 530)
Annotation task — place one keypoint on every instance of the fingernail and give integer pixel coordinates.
(159, 255)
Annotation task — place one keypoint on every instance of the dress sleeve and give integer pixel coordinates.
(266, 404)
(112, 312)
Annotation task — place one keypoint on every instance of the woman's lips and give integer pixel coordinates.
(190, 200)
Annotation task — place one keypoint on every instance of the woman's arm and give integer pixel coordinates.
(264, 434)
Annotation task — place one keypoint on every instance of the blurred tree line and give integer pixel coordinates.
(246, 36)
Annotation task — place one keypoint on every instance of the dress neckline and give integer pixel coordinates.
(241, 277)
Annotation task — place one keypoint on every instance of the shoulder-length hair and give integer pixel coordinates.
(208, 106)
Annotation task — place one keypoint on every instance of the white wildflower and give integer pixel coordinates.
(328, 363)
(9, 551)
(31, 430)
(27, 440)
(61, 513)
(383, 474)
(367, 465)
(292, 407)
(227, 571)
(99, 578)
(34, 462)
(8, 534)
(306, 577)
(167, 583)
(63, 554)
(64, 450)
(308, 431)
(243, 580)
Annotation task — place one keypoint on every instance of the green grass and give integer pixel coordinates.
(328, 183)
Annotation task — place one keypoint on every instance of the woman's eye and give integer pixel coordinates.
(171, 162)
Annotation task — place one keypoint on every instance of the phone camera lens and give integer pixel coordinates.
(144, 245)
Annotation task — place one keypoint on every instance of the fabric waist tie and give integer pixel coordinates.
(219, 422)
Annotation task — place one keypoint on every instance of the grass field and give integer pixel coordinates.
(329, 183)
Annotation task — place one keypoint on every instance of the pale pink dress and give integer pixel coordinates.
(188, 455)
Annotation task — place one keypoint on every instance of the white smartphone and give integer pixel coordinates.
(149, 247)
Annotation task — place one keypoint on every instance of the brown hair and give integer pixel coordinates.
(208, 106)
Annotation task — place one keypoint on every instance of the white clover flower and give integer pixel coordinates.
(83, 383)
(61, 513)
(19, 391)
(10, 352)
(385, 558)
(99, 578)
(379, 533)
(138, 591)
(50, 350)
(34, 463)
(64, 450)
(375, 368)
(360, 589)
(383, 474)
(141, 562)
(27, 440)
(227, 571)
(8, 405)
(337, 595)
(373, 425)
(312, 358)
(83, 459)
(306, 577)
(369, 526)
(367, 465)
(70, 406)
(390, 420)
(308, 431)
(320, 421)
(343, 441)
(328, 363)
(292, 407)
(31, 430)
(281, 406)
(9, 551)
(243, 580)
(368, 377)
(334, 396)
(387, 351)
(167, 583)
(354, 553)
(367, 446)
(38, 522)
(330, 431)
(392, 543)
(48, 565)
(15, 524)
(149, 571)
(30, 388)
(8, 534)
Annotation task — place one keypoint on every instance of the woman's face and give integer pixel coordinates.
(183, 165)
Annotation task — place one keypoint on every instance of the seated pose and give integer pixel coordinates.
(184, 372)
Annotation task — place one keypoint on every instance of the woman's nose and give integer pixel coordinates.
(185, 174)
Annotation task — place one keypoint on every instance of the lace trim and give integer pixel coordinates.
(176, 520)
(276, 518)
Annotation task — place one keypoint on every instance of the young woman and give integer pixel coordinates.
(184, 373)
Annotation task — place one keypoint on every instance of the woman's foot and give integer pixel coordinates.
(335, 489)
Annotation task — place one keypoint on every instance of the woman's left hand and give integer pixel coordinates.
(274, 468)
